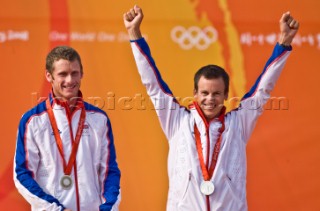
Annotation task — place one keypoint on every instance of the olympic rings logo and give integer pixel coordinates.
(194, 36)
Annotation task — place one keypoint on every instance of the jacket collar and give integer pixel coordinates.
(200, 117)
(55, 101)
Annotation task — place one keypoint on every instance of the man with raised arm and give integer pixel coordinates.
(207, 147)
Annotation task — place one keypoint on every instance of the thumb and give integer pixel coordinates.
(137, 9)
(285, 17)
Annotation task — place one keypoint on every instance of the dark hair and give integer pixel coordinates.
(210, 72)
(62, 52)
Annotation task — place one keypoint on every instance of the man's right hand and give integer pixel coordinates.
(288, 29)
(132, 20)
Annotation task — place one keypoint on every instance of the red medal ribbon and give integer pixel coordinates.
(207, 174)
(75, 142)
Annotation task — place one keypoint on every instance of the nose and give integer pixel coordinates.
(68, 78)
(211, 97)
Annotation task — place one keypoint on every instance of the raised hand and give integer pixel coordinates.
(288, 29)
(132, 21)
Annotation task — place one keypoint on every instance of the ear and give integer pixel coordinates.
(49, 77)
(226, 96)
(195, 94)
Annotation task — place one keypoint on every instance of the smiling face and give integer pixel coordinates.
(64, 71)
(210, 96)
(211, 88)
(65, 79)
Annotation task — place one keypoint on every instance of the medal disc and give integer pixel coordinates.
(207, 187)
(66, 182)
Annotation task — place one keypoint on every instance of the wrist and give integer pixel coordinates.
(134, 34)
(285, 44)
(284, 40)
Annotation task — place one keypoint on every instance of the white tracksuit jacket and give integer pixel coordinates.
(38, 165)
(177, 122)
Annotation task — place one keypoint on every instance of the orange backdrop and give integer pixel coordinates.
(283, 152)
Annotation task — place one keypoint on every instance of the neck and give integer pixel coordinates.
(70, 102)
(210, 119)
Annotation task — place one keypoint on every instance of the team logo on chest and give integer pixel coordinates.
(86, 129)
(52, 133)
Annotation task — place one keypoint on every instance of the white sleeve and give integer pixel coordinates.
(109, 174)
(167, 107)
(251, 106)
(26, 162)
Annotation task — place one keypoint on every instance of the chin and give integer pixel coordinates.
(70, 97)
(209, 116)
(71, 94)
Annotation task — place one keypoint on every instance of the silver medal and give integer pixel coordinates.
(207, 187)
(66, 182)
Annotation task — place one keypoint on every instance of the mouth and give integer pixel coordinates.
(69, 87)
(208, 106)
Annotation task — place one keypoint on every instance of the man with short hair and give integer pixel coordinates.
(207, 147)
(65, 155)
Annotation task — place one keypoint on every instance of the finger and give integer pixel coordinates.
(125, 17)
(133, 13)
(295, 25)
(137, 9)
(285, 17)
(130, 17)
(292, 23)
(289, 20)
